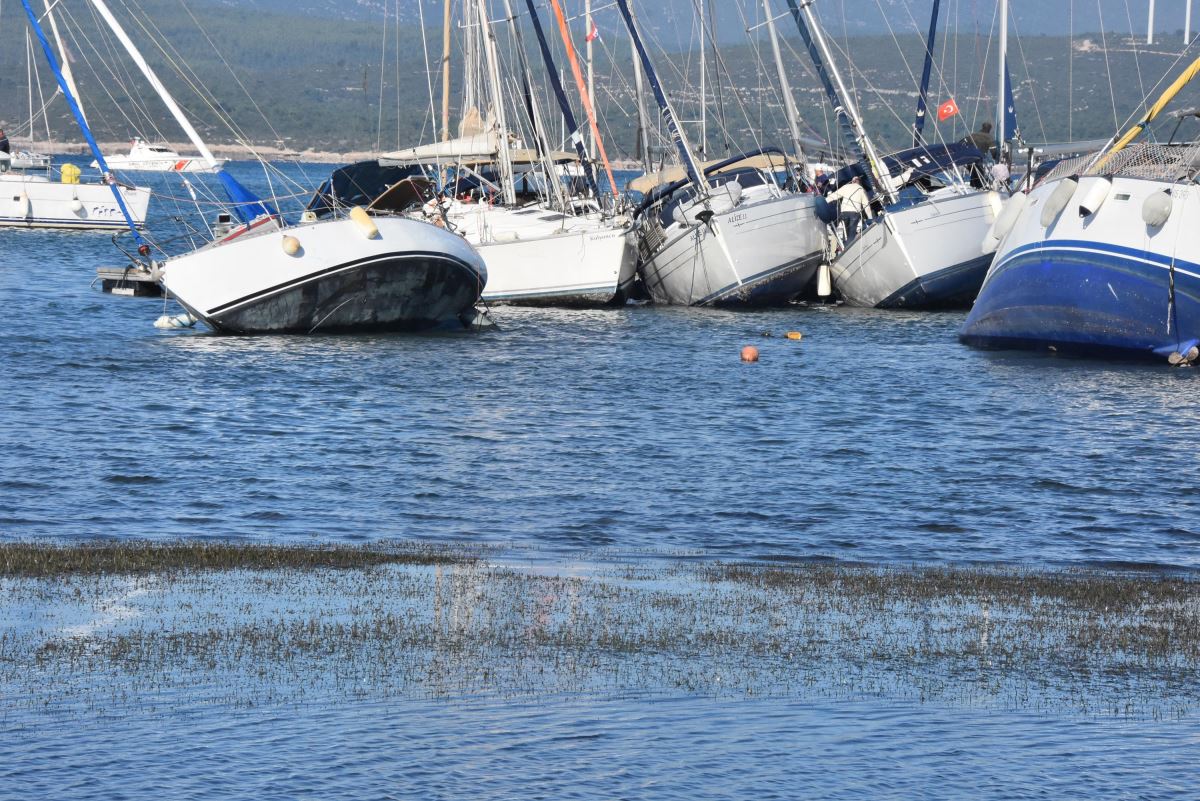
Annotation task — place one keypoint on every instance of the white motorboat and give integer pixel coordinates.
(336, 275)
(28, 160)
(144, 157)
(34, 200)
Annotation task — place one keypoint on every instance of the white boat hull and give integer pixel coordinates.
(28, 201)
(411, 276)
(177, 164)
(925, 256)
(536, 256)
(761, 252)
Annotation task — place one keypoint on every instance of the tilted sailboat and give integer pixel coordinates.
(1102, 257)
(923, 250)
(30, 197)
(722, 235)
(347, 274)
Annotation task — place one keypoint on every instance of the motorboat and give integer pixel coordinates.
(32, 199)
(28, 160)
(349, 274)
(145, 157)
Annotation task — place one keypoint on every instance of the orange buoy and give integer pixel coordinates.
(749, 354)
(794, 335)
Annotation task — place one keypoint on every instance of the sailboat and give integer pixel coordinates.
(726, 233)
(1102, 256)
(347, 273)
(923, 251)
(31, 196)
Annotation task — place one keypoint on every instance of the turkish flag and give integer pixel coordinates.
(594, 33)
(947, 110)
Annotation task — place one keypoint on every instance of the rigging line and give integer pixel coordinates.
(81, 52)
(382, 78)
(1137, 62)
(1070, 68)
(983, 65)
(722, 65)
(1108, 68)
(1037, 111)
(127, 81)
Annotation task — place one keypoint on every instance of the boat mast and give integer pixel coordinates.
(703, 87)
(923, 97)
(587, 101)
(554, 186)
(591, 78)
(143, 245)
(62, 55)
(1001, 96)
(505, 157)
(643, 133)
(839, 98)
(789, 104)
(564, 105)
(446, 73)
(169, 101)
(664, 105)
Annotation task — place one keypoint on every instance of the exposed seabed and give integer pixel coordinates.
(83, 627)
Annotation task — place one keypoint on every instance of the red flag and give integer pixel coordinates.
(593, 33)
(947, 110)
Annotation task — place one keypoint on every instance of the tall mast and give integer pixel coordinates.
(587, 101)
(591, 78)
(169, 101)
(839, 98)
(643, 134)
(62, 55)
(664, 105)
(1187, 22)
(489, 50)
(143, 245)
(446, 73)
(1150, 25)
(1001, 95)
(789, 104)
(703, 87)
(923, 97)
(563, 104)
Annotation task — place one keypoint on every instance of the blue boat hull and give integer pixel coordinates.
(1090, 298)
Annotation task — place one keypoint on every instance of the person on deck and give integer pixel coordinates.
(983, 139)
(4, 147)
(853, 205)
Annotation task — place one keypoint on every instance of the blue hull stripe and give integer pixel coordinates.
(1087, 297)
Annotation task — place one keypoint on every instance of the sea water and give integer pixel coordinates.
(634, 432)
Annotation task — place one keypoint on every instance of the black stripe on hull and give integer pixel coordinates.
(394, 292)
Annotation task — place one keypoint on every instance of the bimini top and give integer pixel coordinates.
(766, 159)
(359, 184)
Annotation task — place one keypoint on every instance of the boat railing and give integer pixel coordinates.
(1160, 162)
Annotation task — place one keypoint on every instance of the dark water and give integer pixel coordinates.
(636, 430)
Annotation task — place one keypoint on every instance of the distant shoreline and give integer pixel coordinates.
(235, 152)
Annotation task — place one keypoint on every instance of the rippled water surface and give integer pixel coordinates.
(876, 438)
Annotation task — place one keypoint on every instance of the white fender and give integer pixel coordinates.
(1093, 191)
(1058, 200)
(1157, 208)
(77, 206)
(824, 285)
(291, 245)
(995, 202)
(364, 222)
(1004, 221)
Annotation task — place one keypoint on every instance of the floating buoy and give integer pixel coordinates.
(1058, 200)
(1093, 191)
(824, 282)
(796, 335)
(364, 222)
(291, 245)
(749, 354)
(1157, 207)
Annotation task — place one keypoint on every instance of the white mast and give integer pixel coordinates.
(591, 81)
(1002, 99)
(703, 89)
(169, 101)
(446, 72)
(643, 121)
(505, 157)
(1187, 22)
(65, 63)
(789, 105)
(1150, 25)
